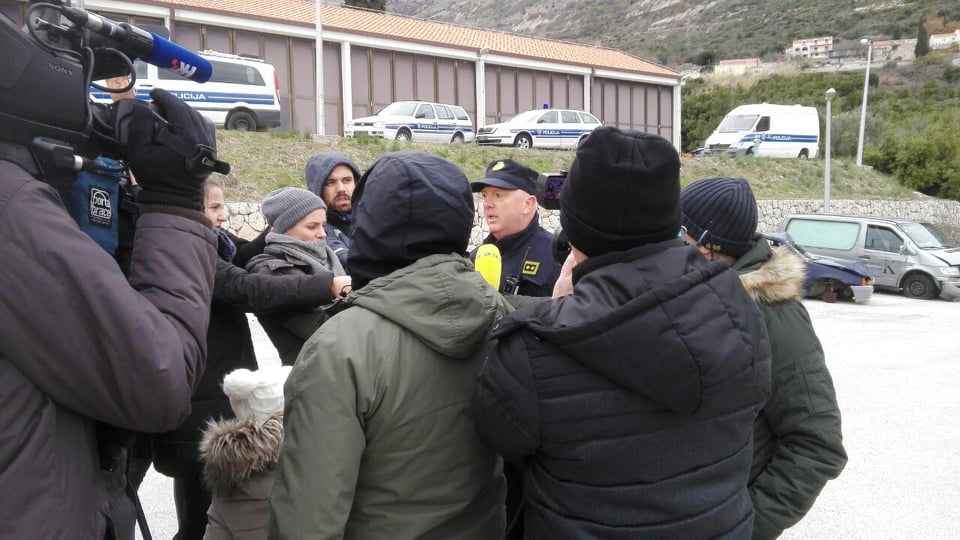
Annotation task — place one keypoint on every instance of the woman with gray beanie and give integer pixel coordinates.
(296, 245)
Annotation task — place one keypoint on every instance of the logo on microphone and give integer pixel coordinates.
(182, 68)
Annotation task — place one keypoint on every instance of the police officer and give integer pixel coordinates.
(510, 210)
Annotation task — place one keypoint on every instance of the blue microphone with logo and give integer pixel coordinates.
(138, 43)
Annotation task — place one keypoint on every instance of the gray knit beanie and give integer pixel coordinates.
(723, 211)
(284, 207)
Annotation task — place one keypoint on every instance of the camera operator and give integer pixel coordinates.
(630, 403)
(80, 344)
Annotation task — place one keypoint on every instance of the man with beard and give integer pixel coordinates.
(332, 176)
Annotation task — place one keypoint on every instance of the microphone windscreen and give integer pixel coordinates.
(168, 55)
(487, 262)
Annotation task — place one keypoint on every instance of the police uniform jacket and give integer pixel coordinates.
(527, 258)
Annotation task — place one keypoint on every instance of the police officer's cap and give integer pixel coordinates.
(508, 174)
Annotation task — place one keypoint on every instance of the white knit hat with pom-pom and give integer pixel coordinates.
(256, 395)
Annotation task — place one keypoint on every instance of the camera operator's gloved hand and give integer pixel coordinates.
(162, 165)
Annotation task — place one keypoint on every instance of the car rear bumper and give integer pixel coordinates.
(268, 118)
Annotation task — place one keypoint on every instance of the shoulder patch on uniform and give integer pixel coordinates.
(530, 268)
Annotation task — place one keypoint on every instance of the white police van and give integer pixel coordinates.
(766, 130)
(243, 93)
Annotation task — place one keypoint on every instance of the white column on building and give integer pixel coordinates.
(346, 90)
(587, 87)
(319, 67)
(482, 86)
(677, 104)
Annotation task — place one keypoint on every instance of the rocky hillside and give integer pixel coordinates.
(674, 32)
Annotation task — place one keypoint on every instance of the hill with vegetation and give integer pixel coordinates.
(674, 32)
(913, 116)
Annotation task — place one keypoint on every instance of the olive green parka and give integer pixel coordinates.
(798, 445)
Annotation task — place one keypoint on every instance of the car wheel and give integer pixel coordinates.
(457, 138)
(919, 286)
(845, 293)
(241, 121)
(523, 141)
(804, 154)
(829, 297)
(404, 135)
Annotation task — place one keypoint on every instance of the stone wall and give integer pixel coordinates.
(246, 220)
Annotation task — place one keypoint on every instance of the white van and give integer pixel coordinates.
(767, 130)
(420, 121)
(243, 93)
(911, 256)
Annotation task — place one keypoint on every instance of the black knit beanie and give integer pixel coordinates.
(725, 208)
(622, 191)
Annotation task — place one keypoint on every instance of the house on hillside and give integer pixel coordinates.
(370, 59)
(945, 41)
(894, 49)
(736, 67)
(818, 47)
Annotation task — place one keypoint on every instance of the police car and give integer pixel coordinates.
(243, 93)
(420, 121)
(540, 128)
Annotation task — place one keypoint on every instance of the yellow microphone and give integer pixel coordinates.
(487, 262)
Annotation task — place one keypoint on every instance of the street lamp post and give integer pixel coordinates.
(826, 148)
(863, 109)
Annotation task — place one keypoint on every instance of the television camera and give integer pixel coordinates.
(48, 124)
(548, 196)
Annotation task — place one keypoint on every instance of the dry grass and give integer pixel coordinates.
(262, 162)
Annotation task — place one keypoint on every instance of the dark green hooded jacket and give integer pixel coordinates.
(797, 443)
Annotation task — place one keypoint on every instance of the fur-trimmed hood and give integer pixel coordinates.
(771, 276)
(234, 450)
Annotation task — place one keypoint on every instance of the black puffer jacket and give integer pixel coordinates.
(631, 403)
(230, 347)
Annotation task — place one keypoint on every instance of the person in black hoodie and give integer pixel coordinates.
(230, 346)
(629, 403)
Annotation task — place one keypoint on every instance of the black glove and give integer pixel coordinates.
(170, 147)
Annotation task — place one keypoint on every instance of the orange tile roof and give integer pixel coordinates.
(359, 21)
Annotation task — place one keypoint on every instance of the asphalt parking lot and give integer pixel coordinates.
(896, 367)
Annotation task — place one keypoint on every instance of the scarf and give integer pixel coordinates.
(315, 254)
(226, 249)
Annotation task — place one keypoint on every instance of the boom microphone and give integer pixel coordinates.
(487, 262)
(138, 43)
